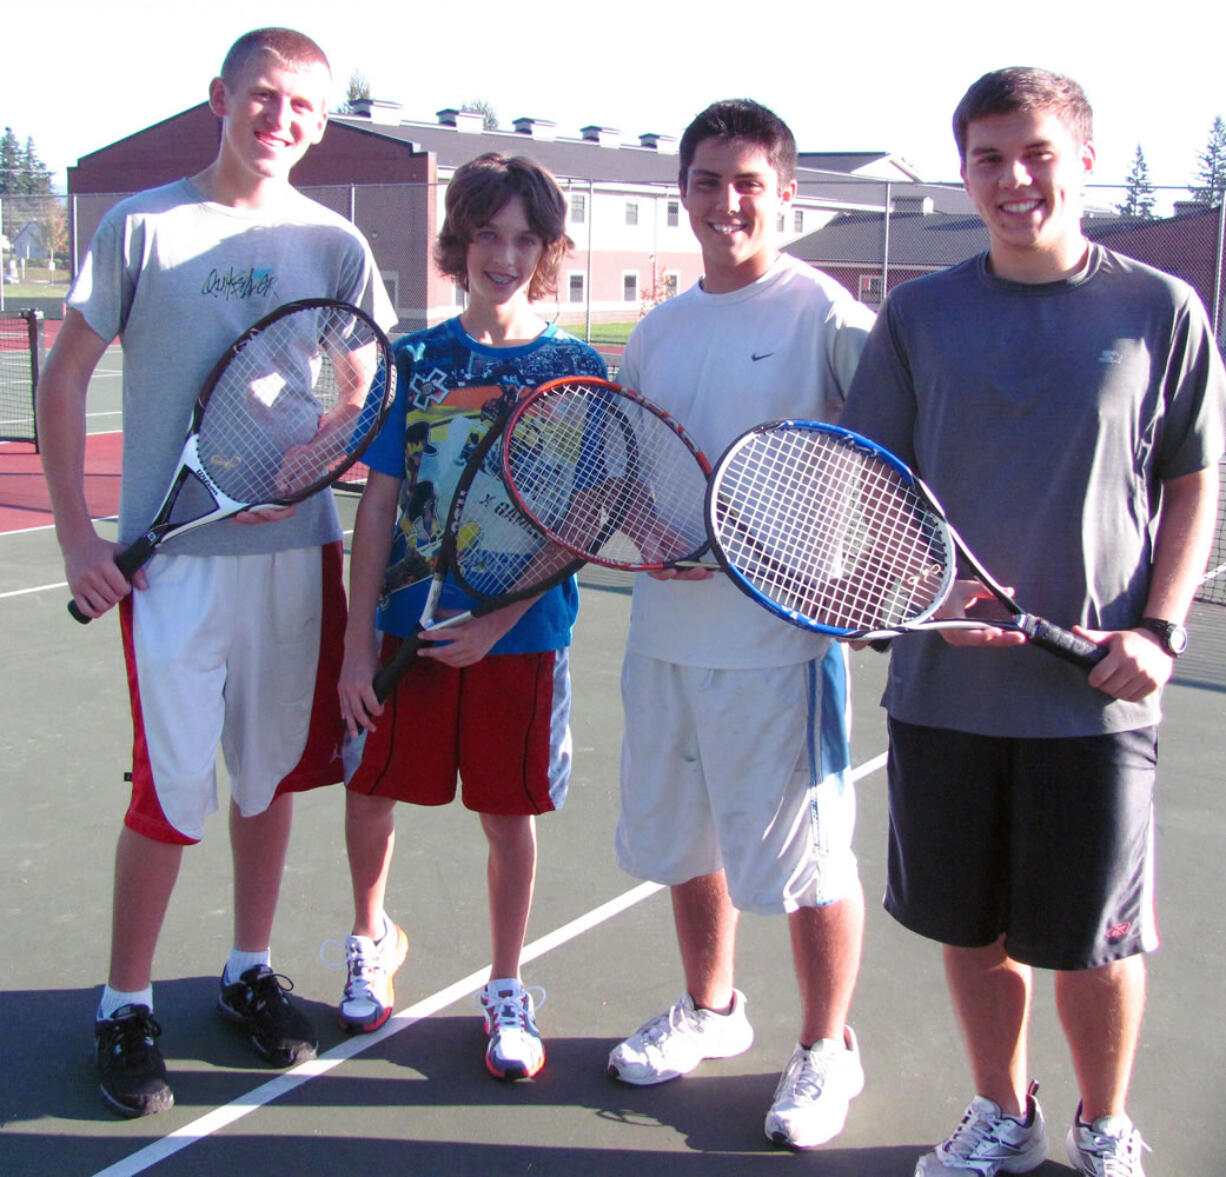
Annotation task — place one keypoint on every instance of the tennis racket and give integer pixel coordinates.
(291, 405)
(607, 475)
(833, 533)
(488, 548)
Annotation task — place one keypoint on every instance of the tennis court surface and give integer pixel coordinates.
(416, 1098)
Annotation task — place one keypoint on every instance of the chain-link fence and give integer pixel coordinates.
(634, 248)
(21, 346)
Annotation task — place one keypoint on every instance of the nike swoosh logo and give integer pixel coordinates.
(761, 355)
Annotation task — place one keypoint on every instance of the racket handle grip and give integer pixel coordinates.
(1061, 642)
(386, 677)
(128, 561)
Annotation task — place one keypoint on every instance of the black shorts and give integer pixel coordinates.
(1046, 842)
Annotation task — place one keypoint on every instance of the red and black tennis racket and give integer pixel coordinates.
(489, 549)
(291, 405)
(835, 534)
(608, 475)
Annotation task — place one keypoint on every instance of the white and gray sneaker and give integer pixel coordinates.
(988, 1142)
(1109, 1147)
(814, 1092)
(673, 1043)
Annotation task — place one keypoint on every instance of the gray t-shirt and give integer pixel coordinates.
(1045, 419)
(177, 278)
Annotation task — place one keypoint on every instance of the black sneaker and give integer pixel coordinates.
(258, 1003)
(130, 1068)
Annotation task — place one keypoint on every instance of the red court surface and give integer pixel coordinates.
(24, 501)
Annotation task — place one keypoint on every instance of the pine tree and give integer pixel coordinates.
(1139, 196)
(1210, 182)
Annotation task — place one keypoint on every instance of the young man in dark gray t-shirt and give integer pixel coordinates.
(1061, 401)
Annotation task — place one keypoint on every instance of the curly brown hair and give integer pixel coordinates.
(477, 193)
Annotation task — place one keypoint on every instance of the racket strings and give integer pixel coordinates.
(497, 550)
(606, 476)
(828, 531)
(293, 403)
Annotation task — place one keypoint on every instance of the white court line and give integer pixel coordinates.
(222, 1117)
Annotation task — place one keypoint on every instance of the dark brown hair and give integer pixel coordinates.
(741, 118)
(1022, 88)
(477, 193)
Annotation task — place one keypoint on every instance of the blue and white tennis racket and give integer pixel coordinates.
(836, 535)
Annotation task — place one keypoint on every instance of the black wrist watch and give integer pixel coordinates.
(1171, 637)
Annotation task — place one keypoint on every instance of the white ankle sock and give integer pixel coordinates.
(113, 999)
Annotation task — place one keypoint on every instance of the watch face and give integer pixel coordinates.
(1174, 638)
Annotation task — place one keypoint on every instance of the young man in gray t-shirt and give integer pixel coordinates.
(177, 273)
(1066, 406)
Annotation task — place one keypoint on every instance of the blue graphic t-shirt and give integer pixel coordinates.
(456, 390)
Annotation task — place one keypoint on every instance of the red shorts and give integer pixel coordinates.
(500, 725)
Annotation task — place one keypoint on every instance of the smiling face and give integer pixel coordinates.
(734, 200)
(272, 113)
(502, 256)
(1025, 172)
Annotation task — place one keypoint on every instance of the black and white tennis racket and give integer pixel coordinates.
(488, 548)
(291, 405)
(608, 475)
(835, 534)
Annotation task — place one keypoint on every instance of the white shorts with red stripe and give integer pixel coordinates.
(240, 652)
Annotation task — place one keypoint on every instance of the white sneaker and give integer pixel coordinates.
(1110, 1147)
(988, 1142)
(514, 1049)
(675, 1042)
(369, 996)
(814, 1091)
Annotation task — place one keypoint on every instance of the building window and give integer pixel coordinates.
(870, 289)
(632, 212)
(578, 209)
(630, 286)
(798, 220)
(670, 283)
(674, 213)
(782, 223)
(574, 288)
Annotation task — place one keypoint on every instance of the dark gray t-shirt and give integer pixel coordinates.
(178, 278)
(1045, 419)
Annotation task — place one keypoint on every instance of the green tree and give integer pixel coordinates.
(1210, 181)
(483, 107)
(26, 189)
(357, 88)
(1139, 196)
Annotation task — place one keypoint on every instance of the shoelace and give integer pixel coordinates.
(810, 1079)
(1116, 1154)
(362, 967)
(511, 1011)
(268, 992)
(134, 1036)
(969, 1136)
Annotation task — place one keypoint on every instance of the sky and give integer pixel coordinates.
(885, 77)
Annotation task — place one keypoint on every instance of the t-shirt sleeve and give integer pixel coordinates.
(105, 285)
(1194, 397)
(881, 398)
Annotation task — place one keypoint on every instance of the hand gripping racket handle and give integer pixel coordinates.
(128, 561)
(1061, 642)
(386, 677)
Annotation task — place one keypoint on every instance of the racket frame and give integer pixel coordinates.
(190, 463)
(609, 394)
(1056, 640)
